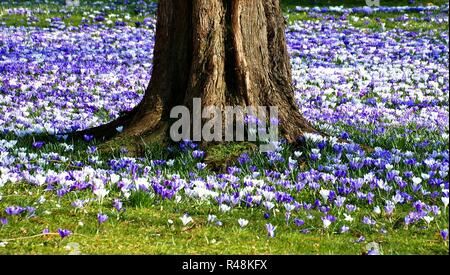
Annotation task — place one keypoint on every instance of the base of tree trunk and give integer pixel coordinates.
(136, 145)
(225, 52)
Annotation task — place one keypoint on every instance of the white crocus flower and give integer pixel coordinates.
(212, 218)
(242, 223)
(325, 194)
(428, 219)
(224, 208)
(41, 200)
(445, 201)
(326, 223)
(40, 179)
(268, 205)
(115, 178)
(186, 219)
(101, 193)
(177, 198)
(348, 218)
(416, 181)
(377, 210)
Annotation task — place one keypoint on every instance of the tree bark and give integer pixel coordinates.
(226, 52)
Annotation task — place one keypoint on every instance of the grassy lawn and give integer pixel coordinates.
(128, 14)
(147, 229)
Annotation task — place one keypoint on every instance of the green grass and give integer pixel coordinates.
(374, 21)
(146, 230)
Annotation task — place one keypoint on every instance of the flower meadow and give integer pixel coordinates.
(386, 88)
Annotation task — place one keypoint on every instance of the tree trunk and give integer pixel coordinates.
(226, 52)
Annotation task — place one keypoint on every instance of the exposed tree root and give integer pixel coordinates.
(107, 131)
(135, 145)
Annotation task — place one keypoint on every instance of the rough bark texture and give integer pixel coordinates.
(226, 52)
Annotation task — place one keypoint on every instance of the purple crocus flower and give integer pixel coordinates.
(46, 231)
(287, 217)
(78, 203)
(339, 201)
(101, 218)
(389, 208)
(345, 135)
(198, 154)
(270, 230)
(344, 229)
(91, 150)
(298, 222)
(360, 239)
(61, 192)
(64, 233)
(305, 231)
(14, 210)
(88, 138)
(3, 221)
(314, 157)
(201, 166)
(30, 210)
(444, 234)
(350, 207)
(243, 159)
(368, 221)
(99, 18)
(38, 144)
(118, 205)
